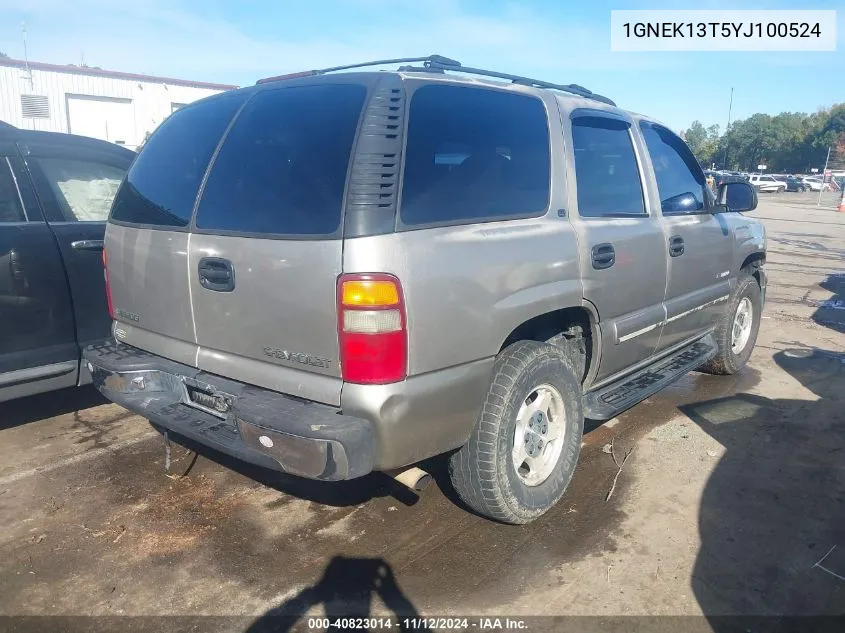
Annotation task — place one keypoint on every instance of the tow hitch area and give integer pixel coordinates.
(208, 399)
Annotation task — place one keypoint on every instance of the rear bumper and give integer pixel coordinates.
(256, 425)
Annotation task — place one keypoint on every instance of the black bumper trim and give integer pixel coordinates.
(253, 424)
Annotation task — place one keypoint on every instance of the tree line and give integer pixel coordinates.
(790, 142)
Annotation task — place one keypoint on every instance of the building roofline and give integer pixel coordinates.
(115, 74)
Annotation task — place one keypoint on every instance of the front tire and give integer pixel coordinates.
(736, 331)
(523, 450)
(781, 189)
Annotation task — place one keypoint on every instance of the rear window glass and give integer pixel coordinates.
(282, 168)
(474, 155)
(162, 184)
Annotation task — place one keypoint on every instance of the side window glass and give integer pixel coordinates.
(83, 190)
(10, 202)
(606, 172)
(474, 155)
(680, 180)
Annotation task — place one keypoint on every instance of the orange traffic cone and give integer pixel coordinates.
(842, 201)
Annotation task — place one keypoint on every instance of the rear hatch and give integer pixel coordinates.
(246, 281)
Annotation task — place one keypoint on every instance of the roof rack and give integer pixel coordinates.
(438, 64)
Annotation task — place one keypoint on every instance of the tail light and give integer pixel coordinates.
(108, 286)
(372, 329)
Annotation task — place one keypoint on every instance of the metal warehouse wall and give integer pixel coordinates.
(151, 101)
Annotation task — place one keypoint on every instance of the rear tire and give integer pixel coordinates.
(533, 415)
(735, 335)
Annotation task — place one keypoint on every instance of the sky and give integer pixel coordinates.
(566, 41)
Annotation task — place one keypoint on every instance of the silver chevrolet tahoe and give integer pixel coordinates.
(333, 273)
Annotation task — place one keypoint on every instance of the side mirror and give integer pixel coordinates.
(737, 196)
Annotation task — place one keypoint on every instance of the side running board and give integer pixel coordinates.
(611, 400)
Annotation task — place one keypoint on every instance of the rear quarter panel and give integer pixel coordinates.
(466, 288)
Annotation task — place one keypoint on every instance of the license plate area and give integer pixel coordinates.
(207, 398)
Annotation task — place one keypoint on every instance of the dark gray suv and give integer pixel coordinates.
(334, 273)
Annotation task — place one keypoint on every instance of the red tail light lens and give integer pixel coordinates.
(108, 287)
(372, 330)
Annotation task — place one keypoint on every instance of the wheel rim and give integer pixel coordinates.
(743, 320)
(539, 435)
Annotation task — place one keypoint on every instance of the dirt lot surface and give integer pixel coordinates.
(732, 501)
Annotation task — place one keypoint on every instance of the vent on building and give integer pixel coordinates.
(35, 107)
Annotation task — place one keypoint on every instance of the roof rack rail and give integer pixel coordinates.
(524, 81)
(431, 59)
(438, 63)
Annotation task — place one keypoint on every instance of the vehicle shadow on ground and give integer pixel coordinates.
(775, 503)
(831, 313)
(48, 405)
(329, 493)
(346, 590)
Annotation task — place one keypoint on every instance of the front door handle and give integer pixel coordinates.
(217, 274)
(676, 246)
(87, 245)
(604, 256)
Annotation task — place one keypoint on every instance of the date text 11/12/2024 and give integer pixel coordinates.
(419, 623)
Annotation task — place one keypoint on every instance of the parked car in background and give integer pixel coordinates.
(275, 297)
(780, 177)
(766, 183)
(796, 183)
(55, 194)
(816, 184)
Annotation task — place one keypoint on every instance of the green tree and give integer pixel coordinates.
(696, 137)
(703, 142)
(829, 133)
(791, 142)
(709, 153)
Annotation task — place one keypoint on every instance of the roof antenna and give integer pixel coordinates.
(26, 55)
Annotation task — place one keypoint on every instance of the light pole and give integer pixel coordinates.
(728, 129)
(824, 172)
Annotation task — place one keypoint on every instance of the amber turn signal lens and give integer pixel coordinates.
(369, 293)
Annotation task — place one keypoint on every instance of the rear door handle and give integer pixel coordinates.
(676, 246)
(217, 274)
(87, 245)
(604, 256)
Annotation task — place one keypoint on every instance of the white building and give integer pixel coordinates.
(114, 106)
